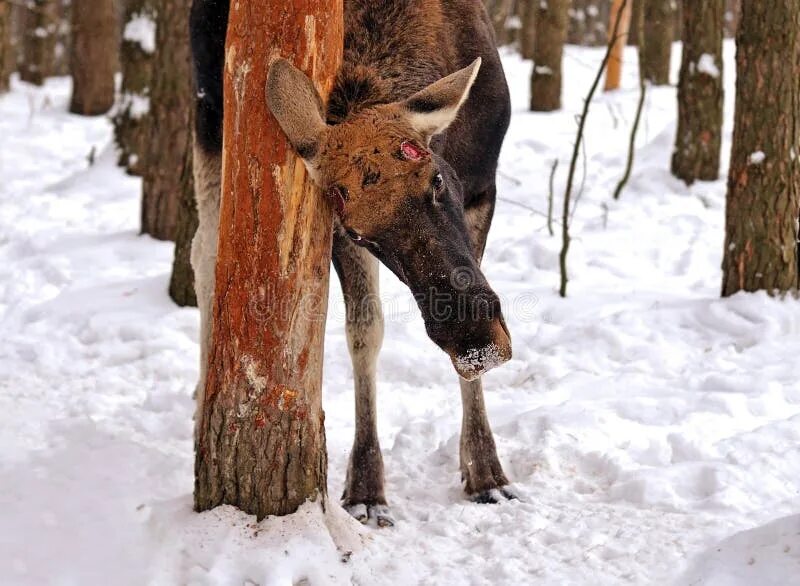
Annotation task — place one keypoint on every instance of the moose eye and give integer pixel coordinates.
(437, 182)
(353, 235)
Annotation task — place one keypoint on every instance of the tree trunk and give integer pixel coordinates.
(733, 10)
(5, 45)
(700, 93)
(40, 27)
(637, 22)
(763, 202)
(619, 21)
(658, 22)
(62, 38)
(131, 117)
(261, 437)
(499, 13)
(588, 21)
(168, 128)
(527, 31)
(94, 56)
(181, 284)
(551, 33)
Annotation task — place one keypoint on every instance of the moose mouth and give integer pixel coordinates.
(477, 361)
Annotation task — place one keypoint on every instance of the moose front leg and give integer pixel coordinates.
(364, 494)
(481, 473)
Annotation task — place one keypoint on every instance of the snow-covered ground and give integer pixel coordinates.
(651, 428)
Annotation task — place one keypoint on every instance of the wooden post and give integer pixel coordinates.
(261, 437)
(620, 9)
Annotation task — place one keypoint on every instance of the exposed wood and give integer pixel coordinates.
(763, 202)
(619, 26)
(260, 436)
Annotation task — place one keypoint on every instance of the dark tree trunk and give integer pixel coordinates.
(132, 115)
(551, 33)
(168, 129)
(763, 203)
(95, 44)
(39, 35)
(181, 284)
(527, 31)
(658, 23)
(700, 93)
(637, 22)
(5, 45)
(588, 22)
(260, 430)
(733, 11)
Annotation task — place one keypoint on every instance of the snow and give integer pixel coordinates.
(141, 28)
(757, 158)
(707, 64)
(650, 427)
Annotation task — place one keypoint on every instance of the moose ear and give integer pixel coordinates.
(297, 106)
(432, 110)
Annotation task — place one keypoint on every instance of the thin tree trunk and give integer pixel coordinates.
(733, 11)
(637, 22)
(5, 45)
(551, 33)
(658, 22)
(763, 203)
(169, 128)
(95, 43)
(39, 35)
(131, 117)
(261, 437)
(700, 93)
(619, 20)
(181, 284)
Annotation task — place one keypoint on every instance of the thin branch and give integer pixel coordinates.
(562, 257)
(550, 198)
(632, 146)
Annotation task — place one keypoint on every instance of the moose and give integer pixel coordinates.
(406, 148)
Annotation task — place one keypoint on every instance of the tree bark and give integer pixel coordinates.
(551, 34)
(95, 44)
(499, 13)
(131, 117)
(620, 11)
(181, 284)
(700, 93)
(261, 439)
(763, 202)
(658, 22)
(527, 31)
(168, 128)
(5, 45)
(637, 22)
(733, 10)
(39, 36)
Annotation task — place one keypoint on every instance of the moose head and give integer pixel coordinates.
(403, 202)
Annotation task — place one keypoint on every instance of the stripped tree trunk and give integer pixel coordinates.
(551, 33)
(95, 46)
(38, 41)
(700, 93)
(131, 117)
(620, 11)
(169, 125)
(658, 21)
(5, 45)
(763, 203)
(260, 429)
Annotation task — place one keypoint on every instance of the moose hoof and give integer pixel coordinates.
(494, 496)
(365, 513)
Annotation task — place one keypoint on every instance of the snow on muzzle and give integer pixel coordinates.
(466, 321)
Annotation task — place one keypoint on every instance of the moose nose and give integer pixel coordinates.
(473, 362)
